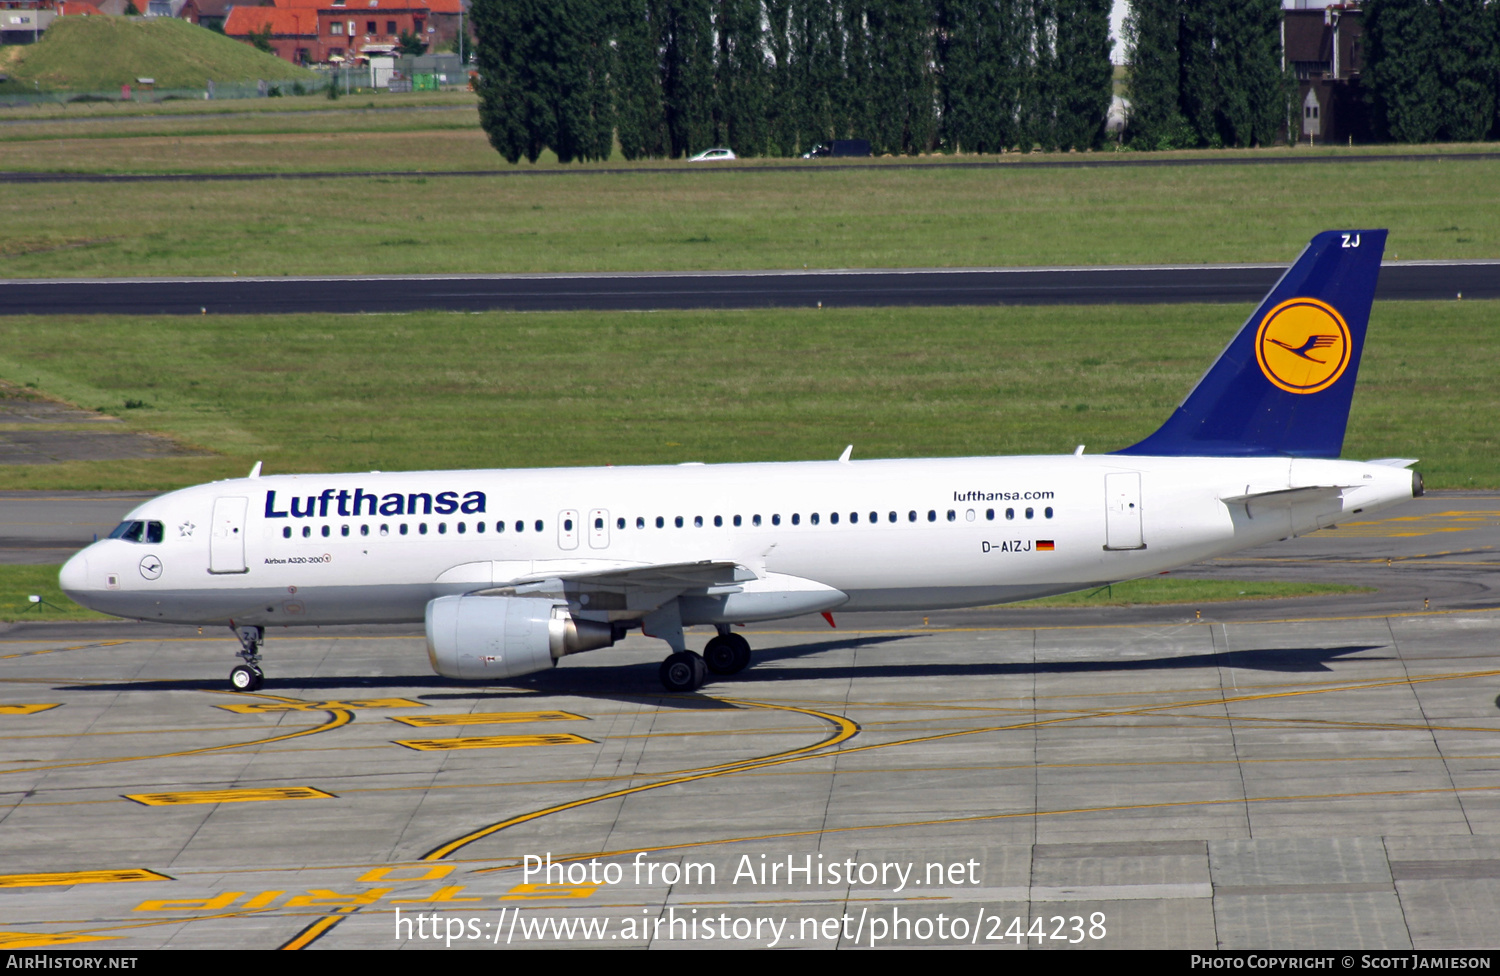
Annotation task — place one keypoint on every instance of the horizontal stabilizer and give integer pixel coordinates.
(1284, 496)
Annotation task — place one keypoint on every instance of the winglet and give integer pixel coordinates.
(1283, 385)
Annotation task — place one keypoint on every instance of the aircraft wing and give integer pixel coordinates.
(600, 585)
(675, 576)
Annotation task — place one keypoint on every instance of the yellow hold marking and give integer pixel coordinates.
(1407, 526)
(486, 718)
(229, 796)
(535, 892)
(292, 705)
(52, 878)
(43, 940)
(426, 872)
(214, 904)
(324, 898)
(495, 742)
(26, 709)
(443, 896)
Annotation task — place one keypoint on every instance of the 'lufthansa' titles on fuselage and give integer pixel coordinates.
(360, 502)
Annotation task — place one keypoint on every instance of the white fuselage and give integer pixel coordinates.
(875, 535)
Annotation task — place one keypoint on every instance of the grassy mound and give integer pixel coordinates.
(103, 53)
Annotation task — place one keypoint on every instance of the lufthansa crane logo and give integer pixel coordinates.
(1303, 345)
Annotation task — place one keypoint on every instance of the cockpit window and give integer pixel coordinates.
(129, 531)
(148, 532)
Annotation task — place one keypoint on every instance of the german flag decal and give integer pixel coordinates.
(1044, 545)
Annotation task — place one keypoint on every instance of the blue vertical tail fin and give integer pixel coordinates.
(1284, 383)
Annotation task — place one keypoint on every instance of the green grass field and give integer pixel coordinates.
(19, 583)
(1159, 590)
(450, 390)
(684, 218)
(103, 53)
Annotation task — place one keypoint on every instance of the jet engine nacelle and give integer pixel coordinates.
(480, 637)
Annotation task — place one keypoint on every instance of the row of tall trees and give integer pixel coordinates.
(775, 77)
(1433, 68)
(1206, 73)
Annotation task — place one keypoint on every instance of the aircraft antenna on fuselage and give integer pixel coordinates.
(255, 471)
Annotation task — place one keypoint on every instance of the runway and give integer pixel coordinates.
(1312, 773)
(1399, 281)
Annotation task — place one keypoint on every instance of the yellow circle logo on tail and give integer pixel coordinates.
(1303, 345)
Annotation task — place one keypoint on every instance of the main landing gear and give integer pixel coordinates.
(684, 671)
(248, 676)
(728, 653)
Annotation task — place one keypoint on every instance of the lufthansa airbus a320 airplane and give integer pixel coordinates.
(511, 570)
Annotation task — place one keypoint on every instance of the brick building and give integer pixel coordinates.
(1324, 46)
(322, 31)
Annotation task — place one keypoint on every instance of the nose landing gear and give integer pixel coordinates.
(248, 676)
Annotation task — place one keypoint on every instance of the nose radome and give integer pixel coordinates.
(74, 576)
